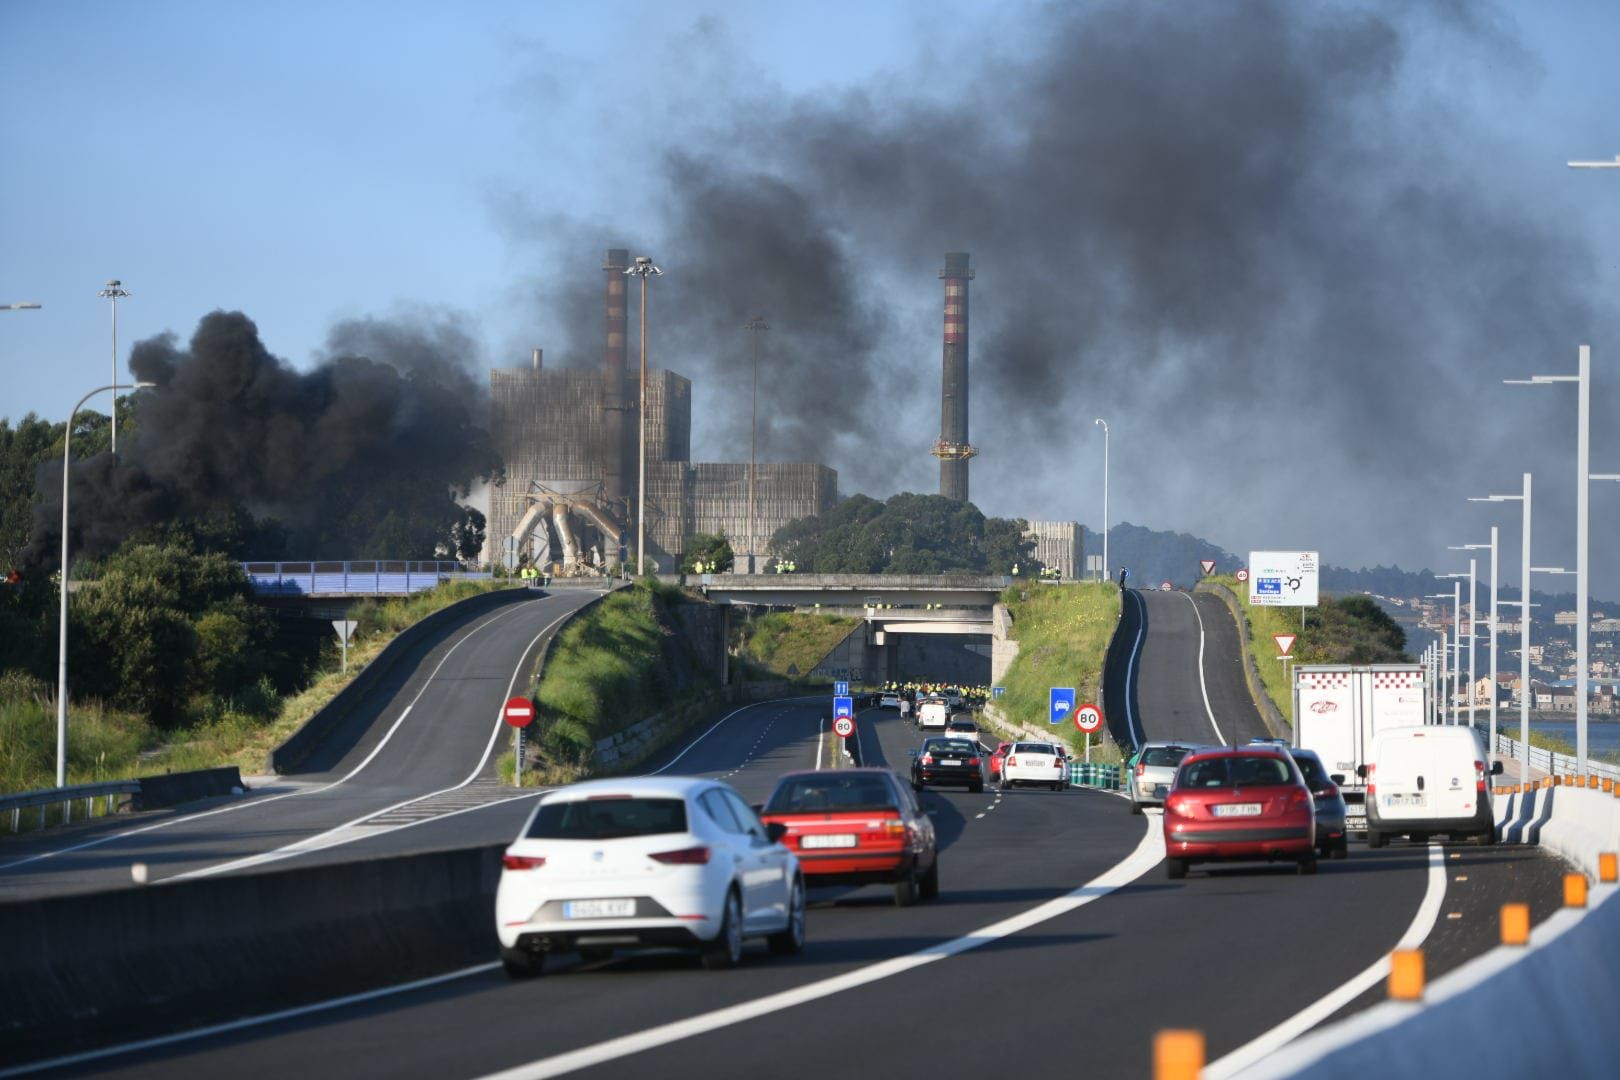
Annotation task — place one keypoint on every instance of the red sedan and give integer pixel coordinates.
(857, 827)
(1241, 804)
(1002, 750)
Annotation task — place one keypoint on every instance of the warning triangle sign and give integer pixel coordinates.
(1208, 565)
(1285, 642)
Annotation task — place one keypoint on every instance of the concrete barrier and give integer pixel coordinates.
(171, 789)
(104, 968)
(317, 728)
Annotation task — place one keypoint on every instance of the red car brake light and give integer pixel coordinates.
(1479, 776)
(1372, 788)
(523, 862)
(973, 761)
(1012, 760)
(1139, 768)
(692, 856)
(926, 759)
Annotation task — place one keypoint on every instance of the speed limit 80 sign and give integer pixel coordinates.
(1088, 718)
(843, 727)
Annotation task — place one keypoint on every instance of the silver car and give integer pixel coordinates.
(1153, 770)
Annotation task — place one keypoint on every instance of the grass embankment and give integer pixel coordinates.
(107, 744)
(789, 644)
(612, 667)
(1261, 624)
(1063, 633)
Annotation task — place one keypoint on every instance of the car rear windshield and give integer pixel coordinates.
(1164, 755)
(1315, 775)
(831, 792)
(1225, 772)
(963, 725)
(608, 818)
(1034, 748)
(948, 746)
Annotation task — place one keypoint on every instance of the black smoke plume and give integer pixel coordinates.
(360, 457)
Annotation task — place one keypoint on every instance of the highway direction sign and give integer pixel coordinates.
(1284, 642)
(1283, 578)
(843, 706)
(1088, 718)
(1060, 704)
(843, 727)
(519, 712)
(1207, 565)
(840, 689)
(997, 691)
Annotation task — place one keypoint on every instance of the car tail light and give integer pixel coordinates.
(692, 856)
(895, 828)
(1012, 761)
(927, 759)
(1297, 798)
(1329, 792)
(523, 862)
(973, 761)
(1372, 788)
(1479, 776)
(1139, 768)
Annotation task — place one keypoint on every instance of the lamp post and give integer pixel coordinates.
(1524, 620)
(1472, 604)
(757, 327)
(114, 292)
(1492, 547)
(643, 269)
(1583, 478)
(1447, 645)
(1106, 564)
(62, 612)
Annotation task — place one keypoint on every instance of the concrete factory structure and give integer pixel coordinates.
(953, 448)
(570, 443)
(1058, 545)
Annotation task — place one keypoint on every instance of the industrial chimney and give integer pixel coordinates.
(616, 425)
(953, 449)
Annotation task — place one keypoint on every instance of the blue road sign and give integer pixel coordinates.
(843, 706)
(840, 689)
(997, 691)
(1061, 704)
(1268, 586)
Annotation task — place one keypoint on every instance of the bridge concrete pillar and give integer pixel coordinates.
(1003, 648)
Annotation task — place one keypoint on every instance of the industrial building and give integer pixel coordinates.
(570, 443)
(1058, 545)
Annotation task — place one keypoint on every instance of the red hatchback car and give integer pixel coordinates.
(857, 827)
(1240, 804)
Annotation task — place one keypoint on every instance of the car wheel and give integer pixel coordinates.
(1307, 865)
(790, 939)
(725, 951)
(1057, 785)
(522, 963)
(1341, 850)
(1136, 807)
(1485, 838)
(928, 888)
(1376, 839)
(905, 890)
(915, 786)
(1175, 869)
(591, 954)
(976, 788)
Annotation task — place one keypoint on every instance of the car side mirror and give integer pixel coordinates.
(758, 808)
(1337, 778)
(775, 831)
(1496, 768)
(1361, 771)
(912, 752)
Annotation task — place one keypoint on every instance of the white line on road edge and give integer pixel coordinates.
(1250, 1053)
(821, 738)
(1147, 855)
(1131, 724)
(249, 803)
(251, 1021)
(717, 723)
(1204, 688)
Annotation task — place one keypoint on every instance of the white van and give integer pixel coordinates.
(933, 713)
(1429, 779)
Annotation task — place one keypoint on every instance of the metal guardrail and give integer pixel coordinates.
(65, 797)
(355, 577)
(1548, 761)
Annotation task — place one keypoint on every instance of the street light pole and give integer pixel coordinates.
(756, 326)
(1107, 566)
(1524, 621)
(1492, 547)
(643, 268)
(62, 611)
(114, 292)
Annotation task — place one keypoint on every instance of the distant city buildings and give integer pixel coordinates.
(1058, 545)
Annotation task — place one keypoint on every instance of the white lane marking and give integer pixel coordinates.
(821, 737)
(249, 803)
(350, 831)
(1422, 923)
(1131, 722)
(1148, 854)
(716, 725)
(976, 817)
(1202, 686)
(251, 1021)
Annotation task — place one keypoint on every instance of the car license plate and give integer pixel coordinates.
(599, 909)
(950, 761)
(1238, 809)
(1405, 800)
(828, 840)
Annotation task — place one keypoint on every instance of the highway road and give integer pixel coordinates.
(422, 748)
(1056, 944)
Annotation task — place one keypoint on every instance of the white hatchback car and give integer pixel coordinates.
(646, 861)
(1035, 763)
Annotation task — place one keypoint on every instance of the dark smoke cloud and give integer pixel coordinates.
(392, 419)
(1253, 235)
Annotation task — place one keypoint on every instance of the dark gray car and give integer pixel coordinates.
(1331, 838)
(1152, 771)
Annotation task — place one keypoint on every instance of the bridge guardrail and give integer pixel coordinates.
(1548, 761)
(65, 797)
(369, 577)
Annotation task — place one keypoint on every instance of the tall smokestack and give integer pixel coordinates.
(953, 448)
(616, 425)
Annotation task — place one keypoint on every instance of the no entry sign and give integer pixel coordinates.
(519, 712)
(1088, 718)
(843, 727)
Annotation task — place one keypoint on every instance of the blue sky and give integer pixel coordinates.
(312, 162)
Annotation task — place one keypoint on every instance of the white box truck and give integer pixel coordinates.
(1338, 708)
